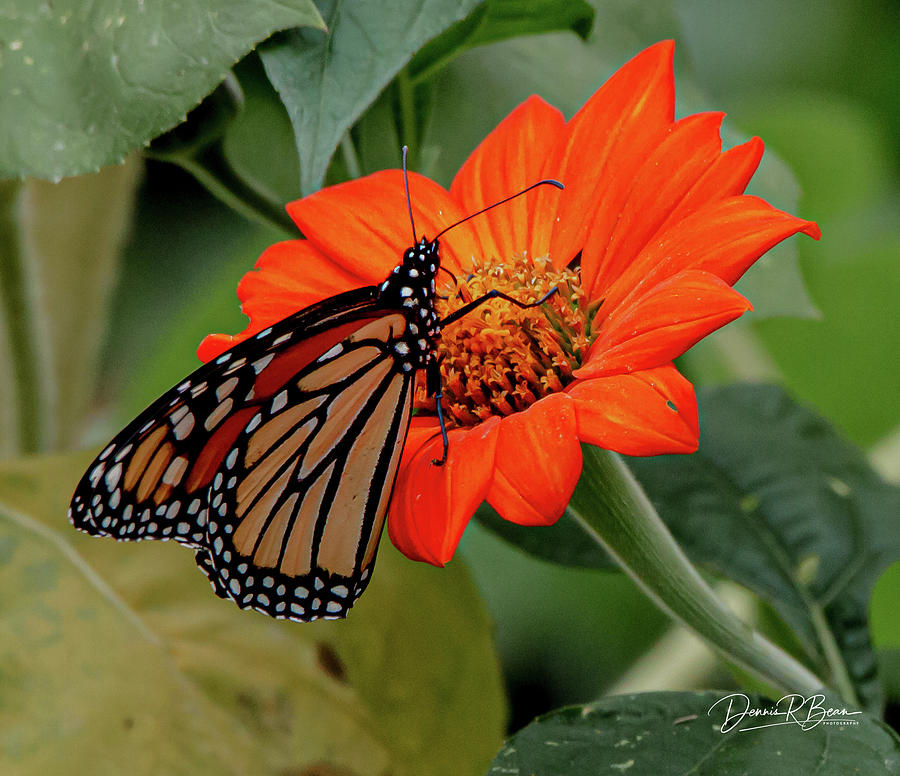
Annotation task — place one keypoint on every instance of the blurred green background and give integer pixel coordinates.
(818, 81)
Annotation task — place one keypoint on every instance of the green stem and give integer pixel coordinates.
(613, 508)
(212, 169)
(17, 320)
(836, 665)
(350, 157)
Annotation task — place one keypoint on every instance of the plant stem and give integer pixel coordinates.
(350, 157)
(211, 168)
(613, 509)
(17, 319)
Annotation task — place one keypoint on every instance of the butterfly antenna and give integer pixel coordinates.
(545, 182)
(408, 200)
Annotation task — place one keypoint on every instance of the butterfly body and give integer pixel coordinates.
(275, 462)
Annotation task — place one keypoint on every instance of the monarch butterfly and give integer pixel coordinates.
(275, 462)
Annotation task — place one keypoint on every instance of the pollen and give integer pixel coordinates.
(501, 358)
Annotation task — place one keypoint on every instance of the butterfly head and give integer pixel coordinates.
(411, 283)
(410, 288)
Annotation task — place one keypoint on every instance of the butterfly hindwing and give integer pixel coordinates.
(297, 508)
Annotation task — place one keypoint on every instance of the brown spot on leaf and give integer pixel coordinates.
(330, 662)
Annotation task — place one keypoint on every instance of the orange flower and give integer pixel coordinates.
(644, 244)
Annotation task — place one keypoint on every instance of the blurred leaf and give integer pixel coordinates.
(260, 142)
(179, 272)
(72, 236)
(842, 159)
(327, 79)
(883, 611)
(836, 147)
(81, 85)
(149, 672)
(563, 542)
(497, 20)
(777, 501)
(844, 363)
(16, 336)
(654, 733)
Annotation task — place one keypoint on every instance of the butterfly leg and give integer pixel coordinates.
(433, 388)
(494, 294)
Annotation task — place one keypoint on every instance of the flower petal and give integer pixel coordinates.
(663, 324)
(651, 412)
(364, 226)
(659, 186)
(432, 505)
(724, 238)
(537, 463)
(508, 160)
(605, 143)
(289, 276)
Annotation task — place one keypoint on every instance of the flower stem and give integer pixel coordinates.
(17, 322)
(613, 508)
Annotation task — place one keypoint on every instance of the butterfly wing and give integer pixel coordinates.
(275, 461)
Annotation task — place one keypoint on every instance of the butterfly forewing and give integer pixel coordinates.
(248, 459)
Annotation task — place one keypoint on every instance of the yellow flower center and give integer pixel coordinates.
(499, 359)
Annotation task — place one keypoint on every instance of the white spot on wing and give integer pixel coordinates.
(184, 427)
(262, 363)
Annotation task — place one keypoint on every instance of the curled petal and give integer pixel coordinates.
(651, 412)
(724, 238)
(289, 276)
(537, 463)
(508, 160)
(432, 504)
(605, 143)
(663, 324)
(364, 226)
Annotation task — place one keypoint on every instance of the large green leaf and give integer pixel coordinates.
(83, 84)
(497, 20)
(679, 733)
(327, 79)
(118, 658)
(777, 501)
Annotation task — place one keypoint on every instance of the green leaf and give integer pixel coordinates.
(327, 79)
(655, 733)
(564, 542)
(497, 20)
(777, 501)
(82, 85)
(259, 143)
(147, 672)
